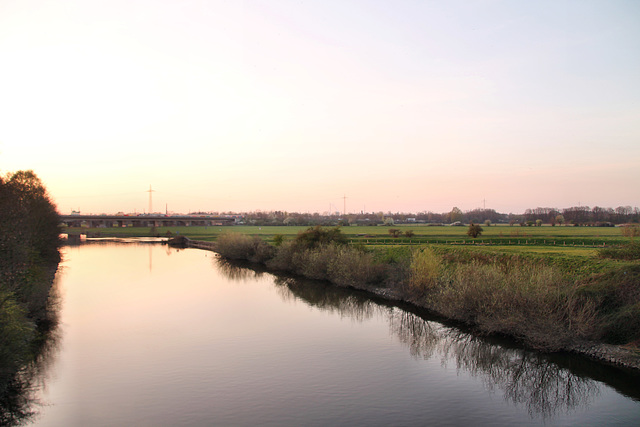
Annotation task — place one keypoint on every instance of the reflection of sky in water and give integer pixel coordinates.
(152, 335)
(525, 378)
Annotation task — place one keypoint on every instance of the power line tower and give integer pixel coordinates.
(150, 191)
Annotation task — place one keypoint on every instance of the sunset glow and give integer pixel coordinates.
(401, 106)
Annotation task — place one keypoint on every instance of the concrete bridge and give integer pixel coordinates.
(153, 220)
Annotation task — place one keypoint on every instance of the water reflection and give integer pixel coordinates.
(525, 378)
(18, 394)
(335, 300)
(237, 270)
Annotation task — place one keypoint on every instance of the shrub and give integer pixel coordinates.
(352, 267)
(629, 251)
(263, 251)
(314, 263)
(315, 236)
(283, 257)
(474, 230)
(425, 269)
(234, 246)
(16, 331)
(623, 326)
(240, 246)
(342, 265)
(617, 294)
(525, 300)
(278, 239)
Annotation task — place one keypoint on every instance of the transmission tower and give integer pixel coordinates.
(150, 191)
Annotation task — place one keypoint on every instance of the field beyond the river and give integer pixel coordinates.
(566, 242)
(527, 239)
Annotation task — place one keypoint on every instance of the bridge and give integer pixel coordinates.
(145, 220)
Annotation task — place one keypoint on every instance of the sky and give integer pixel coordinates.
(399, 106)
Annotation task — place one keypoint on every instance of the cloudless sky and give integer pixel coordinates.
(402, 106)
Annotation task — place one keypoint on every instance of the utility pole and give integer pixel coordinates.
(344, 212)
(150, 191)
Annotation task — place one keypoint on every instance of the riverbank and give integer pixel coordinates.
(29, 257)
(627, 357)
(566, 319)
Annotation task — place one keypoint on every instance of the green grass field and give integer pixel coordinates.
(545, 240)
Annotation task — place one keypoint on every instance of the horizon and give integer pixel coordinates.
(280, 105)
(559, 210)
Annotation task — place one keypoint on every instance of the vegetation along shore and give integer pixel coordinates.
(554, 279)
(552, 299)
(29, 242)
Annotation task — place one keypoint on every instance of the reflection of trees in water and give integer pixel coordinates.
(526, 378)
(422, 337)
(18, 394)
(341, 301)
(238, 271)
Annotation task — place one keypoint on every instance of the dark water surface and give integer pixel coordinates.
(152, 336)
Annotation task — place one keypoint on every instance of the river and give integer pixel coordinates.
(154, 336)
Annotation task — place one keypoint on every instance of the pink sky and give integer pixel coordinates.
(281, 105)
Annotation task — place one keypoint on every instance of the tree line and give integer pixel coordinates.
(29, 243)
(576, 215)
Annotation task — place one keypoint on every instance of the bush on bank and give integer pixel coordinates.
(530, 302)
(629, 251)
(29, 242)
(323, 260)
(528, 298)
(617, 295)
(240, 246)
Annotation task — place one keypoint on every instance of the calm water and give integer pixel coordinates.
(152, 336)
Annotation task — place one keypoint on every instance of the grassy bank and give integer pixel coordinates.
(549, 302)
